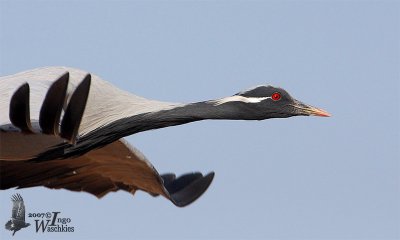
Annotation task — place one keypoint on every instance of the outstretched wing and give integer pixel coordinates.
(117, 166)
(24, 139)
(63, 111)
(18, 210)
(48, 113)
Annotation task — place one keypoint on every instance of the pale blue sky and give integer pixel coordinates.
(296, 178)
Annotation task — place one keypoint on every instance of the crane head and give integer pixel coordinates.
(264, 102)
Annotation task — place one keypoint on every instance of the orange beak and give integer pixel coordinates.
(304, 109)
(318, 112)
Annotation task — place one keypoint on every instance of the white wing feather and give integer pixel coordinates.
(103, 104)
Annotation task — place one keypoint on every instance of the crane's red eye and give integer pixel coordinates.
(276, 96)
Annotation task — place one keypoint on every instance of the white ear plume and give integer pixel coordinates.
(238, 98)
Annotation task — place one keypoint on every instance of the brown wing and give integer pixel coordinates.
(110, 168)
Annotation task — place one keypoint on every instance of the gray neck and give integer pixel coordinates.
(178, 115)
(194, 112)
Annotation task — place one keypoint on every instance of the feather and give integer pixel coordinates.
(117, 166)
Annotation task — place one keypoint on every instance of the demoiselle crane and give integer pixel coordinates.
(63, 128)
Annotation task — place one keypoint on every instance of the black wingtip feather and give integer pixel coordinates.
(168, 178)
(181, 182)
(75, 109)
(19, 109)
(52, 105)
(192, 190)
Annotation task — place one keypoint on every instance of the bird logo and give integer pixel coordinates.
(18, 214)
